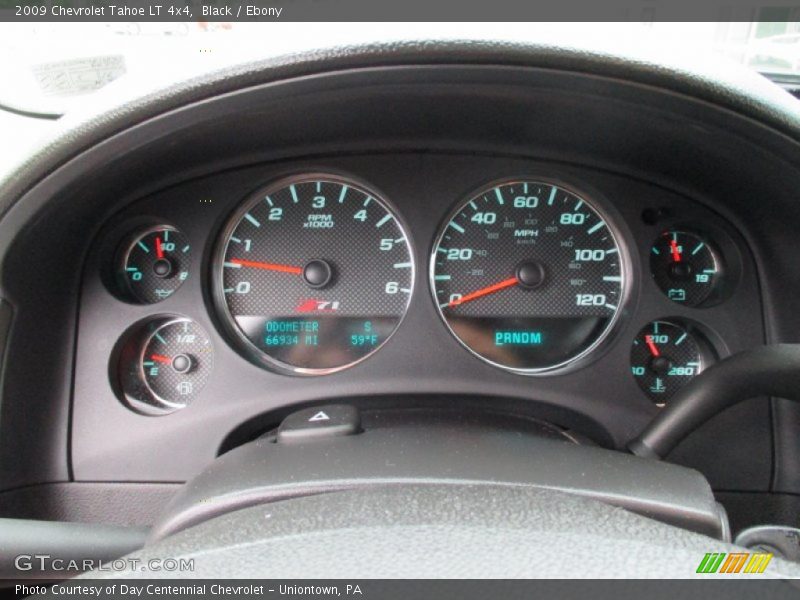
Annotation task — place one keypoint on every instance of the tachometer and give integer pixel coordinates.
(528, 275)
(314, 274)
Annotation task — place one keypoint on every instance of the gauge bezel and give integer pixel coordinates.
(612, 220)
(222, 313)
(124, 256)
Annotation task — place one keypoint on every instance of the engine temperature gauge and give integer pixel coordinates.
(155, 264)
(665, 356)
(165, 365)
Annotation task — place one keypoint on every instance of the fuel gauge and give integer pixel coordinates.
(165, 365)
(665, 356)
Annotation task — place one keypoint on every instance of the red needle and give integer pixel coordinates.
(652, 345)
(161, 358)
(159, 249)
(676, 254)
(506, 283)
(267, 266)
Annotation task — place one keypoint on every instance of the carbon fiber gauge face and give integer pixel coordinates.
(528, 275)
(315, 273)
(665, 356)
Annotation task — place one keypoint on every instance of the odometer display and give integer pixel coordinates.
(528, 275)
(315, 273)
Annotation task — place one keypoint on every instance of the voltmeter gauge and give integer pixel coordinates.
(165, 365)
(686, 267)
(665, 356)
(154, 264)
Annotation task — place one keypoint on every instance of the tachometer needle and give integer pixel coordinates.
(676, 253)
(491, 289)
(652, 345)
(159, 249)
(161, 358)
(267, 266)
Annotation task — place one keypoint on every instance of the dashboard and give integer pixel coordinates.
(547, 236)
(505, 280)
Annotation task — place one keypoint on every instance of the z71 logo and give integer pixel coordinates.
(317, 306)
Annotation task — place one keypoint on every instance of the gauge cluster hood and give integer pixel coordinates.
(719, 82)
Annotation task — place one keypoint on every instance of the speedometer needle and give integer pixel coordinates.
(267, 266)
(491, 289)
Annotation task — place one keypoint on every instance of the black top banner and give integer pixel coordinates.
(399, 11)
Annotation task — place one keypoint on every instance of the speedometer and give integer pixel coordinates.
(313, 274)
(528, 275)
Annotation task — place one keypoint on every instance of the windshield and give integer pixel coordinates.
(49, 67)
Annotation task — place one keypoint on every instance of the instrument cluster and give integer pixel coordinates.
(313, 273)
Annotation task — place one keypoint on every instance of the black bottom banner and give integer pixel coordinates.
(397, 589)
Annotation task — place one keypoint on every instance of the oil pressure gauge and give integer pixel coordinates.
(154, 264)
(165, 364)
